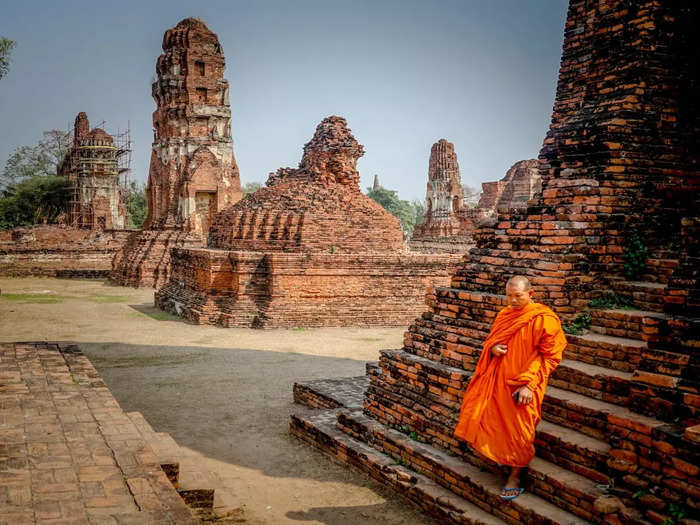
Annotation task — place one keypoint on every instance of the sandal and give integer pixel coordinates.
(509, 493)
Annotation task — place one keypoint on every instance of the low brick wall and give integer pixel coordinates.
(266, 290)
(59, 251)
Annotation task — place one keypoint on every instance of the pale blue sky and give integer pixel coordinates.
(481, 74)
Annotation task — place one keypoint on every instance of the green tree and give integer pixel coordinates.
(6, 46)
(419, 206)
(251, 187)
(36, 200)
(403, 210)
(42, 159)
(136, 204)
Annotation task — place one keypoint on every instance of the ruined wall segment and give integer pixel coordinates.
(309, 249)
(193, 172)
(91, 167)
(59, 251)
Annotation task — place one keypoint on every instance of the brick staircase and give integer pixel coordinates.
(195, 484)
(611, 447)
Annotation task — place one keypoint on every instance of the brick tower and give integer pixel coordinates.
(443, 197)
(612, 238)
(193, 172)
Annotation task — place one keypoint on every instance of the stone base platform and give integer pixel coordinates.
(277, 289)
(70, 455)
(59, 251)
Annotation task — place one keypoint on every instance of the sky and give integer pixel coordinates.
(481, 74)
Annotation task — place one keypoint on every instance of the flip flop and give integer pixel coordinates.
(509, 493)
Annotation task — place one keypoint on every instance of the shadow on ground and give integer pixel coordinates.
(232, 405)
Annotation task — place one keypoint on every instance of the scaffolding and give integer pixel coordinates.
(91, 164)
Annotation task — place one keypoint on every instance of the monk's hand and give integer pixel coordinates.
(523, 395)
(499, 350)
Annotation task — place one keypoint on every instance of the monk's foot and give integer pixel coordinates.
(509, 493)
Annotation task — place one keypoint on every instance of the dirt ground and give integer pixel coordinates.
(225, 393)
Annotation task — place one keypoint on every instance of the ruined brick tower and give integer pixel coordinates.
(443, 198)
(193, 171)
(91, 167)
(613, 235)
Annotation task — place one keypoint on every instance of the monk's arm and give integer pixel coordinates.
(549, 342)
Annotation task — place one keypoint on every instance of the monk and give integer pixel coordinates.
(502, 405)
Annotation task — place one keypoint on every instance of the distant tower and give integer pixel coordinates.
(91, 167)
(443, 196)
(376, 185)
(193, 172)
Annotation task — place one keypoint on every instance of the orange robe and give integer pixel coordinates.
(489, 420)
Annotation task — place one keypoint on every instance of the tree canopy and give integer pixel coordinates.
(136, 204)
(6, 46)
(407, 212)
(37, 200)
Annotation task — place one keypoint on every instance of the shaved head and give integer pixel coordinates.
(519, 282)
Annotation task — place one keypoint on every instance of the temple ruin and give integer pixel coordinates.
(193, 172)
(619, 439)
(92, 168)
(308, 249)
(449, 222)
(93, 228)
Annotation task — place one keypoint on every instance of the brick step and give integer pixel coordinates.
(645, 295)
(630, 324)
(544, 481)
(320, 430)
(165, 450)
(576, 452)
(593, 417)
(193, 483)
(425, 397)
(660, 268)
(584, 455)
(617, 353)
(593, 381)
(442, 384)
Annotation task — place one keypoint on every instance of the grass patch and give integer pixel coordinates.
(578, 325)
(36, 298)
(610, 299)
(162, 316)
(142, 361)
(301, 329)
(109, 298)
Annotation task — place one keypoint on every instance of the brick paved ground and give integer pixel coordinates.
(68, 453)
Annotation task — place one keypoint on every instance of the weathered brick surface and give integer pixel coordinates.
(310, 249)
(68, 453)
(91, 168)
(620, 159)
(193, 172)
(59, 251)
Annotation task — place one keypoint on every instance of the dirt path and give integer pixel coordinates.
(225, 393)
